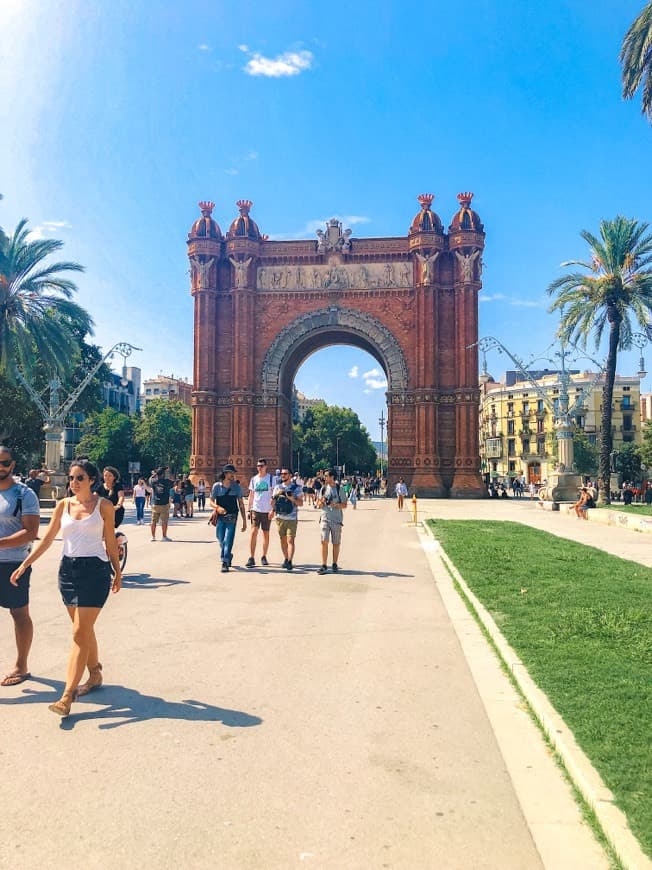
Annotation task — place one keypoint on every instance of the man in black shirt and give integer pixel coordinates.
(161, 487)
(36, 480)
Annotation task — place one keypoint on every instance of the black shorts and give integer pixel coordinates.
(84, 581)
(13, 597)
(260, 520)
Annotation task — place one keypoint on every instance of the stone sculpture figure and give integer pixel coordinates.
(466, 262)
(202, 270)
(427, 266)
(240, 267)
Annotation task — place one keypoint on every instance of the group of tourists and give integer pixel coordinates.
(275, 498)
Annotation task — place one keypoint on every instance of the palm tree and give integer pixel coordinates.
(636, 59)
(35, 306)
(617, 289)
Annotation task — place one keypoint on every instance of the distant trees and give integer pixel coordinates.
(329, 434)
(107, 439)
(163, 435)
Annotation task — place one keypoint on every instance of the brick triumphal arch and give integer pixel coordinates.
(262, 306)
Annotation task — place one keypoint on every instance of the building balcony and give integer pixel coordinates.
(631, 429)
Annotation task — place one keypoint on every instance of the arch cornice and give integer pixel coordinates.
(346, 320)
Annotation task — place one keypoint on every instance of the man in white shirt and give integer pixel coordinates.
(259, 507)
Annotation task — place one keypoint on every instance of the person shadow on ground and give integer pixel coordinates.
(130, 706)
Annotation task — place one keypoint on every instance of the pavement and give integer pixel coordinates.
(273, 719)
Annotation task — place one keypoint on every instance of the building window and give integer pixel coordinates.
(539, 406)
(627, 423)
(539, 425)
(510, 427)
(511, 447)
(526, 445)
(512, 467)
(627, 402)
(526, 407)
(626, 389)
(156, 391)
(541, 446)
(510, 408)
(148, 391)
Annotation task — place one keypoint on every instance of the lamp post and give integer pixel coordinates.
(562, 486)
(381, 423)
(337, 454)
(55, 412)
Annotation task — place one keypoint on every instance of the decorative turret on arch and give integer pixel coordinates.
(367, 329)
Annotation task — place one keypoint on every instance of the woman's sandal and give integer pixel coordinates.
(93, 682)
(63, 705)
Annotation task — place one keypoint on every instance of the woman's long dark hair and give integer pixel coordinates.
(87, 466)
(116, 477)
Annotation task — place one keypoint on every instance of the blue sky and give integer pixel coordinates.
(119, 116)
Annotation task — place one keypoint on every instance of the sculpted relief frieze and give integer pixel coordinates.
(350, 276)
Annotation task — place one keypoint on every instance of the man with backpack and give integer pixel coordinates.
(332, 502)
(19, 524)
(287, 498)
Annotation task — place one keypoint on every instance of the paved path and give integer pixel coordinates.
(264, 719)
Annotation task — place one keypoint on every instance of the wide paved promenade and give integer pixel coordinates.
(261, 719)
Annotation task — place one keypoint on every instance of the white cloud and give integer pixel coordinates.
(204, 47)
(522, 303)
(47, 228)
(376, 383)
(353, 373)
(290, 63)
(372, 373)
(232, 171)
(243, 47)
(252, 155)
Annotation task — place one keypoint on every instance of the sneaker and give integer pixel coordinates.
(165, 538)
(289, 565)
(152, 540)
(335, 568)
(264, 561)
(225, 567)
(323, 570)
(285, 563)
(251, 562)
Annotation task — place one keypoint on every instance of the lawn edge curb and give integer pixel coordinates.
(583, 775)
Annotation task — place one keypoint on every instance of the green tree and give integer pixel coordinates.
(107, 439)
(636, 60)
(329, 433)
(616, 288)
(645, 447)
(36, 307)
(21, 425)
(586, 454)
(628, 462)
(163, 435)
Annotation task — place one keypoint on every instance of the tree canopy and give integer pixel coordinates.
(107, 439)
(636, 60)
(163, 435)
(328, 434)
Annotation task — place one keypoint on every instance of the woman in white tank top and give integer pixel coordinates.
(90, 551)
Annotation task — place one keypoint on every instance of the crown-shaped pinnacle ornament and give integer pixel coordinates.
(244, 205)
(426, 200)
(465, 199)
(206, 207)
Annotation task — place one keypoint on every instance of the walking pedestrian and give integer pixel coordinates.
(259, 506)
(226, 499)
(90, 551)
(112, 489)
(401, 491)
(161, 487)
(19, 524)
(189, 496)
(201, 494)
(332, 502)
(287, 498)
(140, 493)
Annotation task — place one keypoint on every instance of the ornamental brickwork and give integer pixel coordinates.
(263, 306)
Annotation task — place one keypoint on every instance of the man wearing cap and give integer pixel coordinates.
(19, 523)
(161, 487)
(226, 499)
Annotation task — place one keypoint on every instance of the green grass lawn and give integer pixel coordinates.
(581, 622)
(641, 510)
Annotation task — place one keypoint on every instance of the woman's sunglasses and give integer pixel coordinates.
(77, 477)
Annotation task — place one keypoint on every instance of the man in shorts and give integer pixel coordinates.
(161, 487)
(19, 523)
(287, 497)
(259, 507)
(332, 501)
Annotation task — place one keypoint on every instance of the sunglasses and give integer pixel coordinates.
(260, 465)
(77, 477)
(6, 462)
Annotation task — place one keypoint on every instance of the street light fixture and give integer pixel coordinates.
(381, 423)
